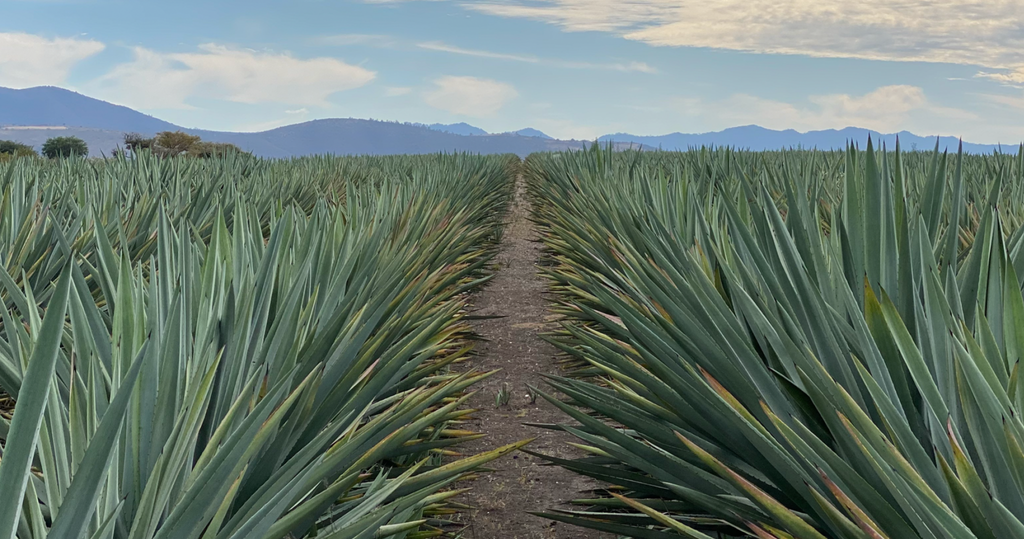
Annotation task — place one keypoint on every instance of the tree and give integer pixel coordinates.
(58, 147)
(134, 142)
(15, 149)
(176, 142)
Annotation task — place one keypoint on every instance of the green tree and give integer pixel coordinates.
(65, 147)
(176, 142)
(134, 142)
(10, 149)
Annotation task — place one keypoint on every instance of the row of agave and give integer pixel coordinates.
(790, 344)
(237, 348)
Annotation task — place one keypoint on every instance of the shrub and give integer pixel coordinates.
(213, 149)
(176, 142)
(15, 149)
(58, 147)
(134, 142)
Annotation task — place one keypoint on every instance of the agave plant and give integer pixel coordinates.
(246, 370)
(792, 344)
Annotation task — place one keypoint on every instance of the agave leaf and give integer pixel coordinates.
(25, 424)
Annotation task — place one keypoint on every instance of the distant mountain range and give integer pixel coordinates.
(759, 138)
(462, 128)
(33, 115)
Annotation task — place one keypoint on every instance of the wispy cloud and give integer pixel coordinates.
(156, 80)
(470, 96)
(439, 46)
(974, 32)
(29, 60)
(1012, 77)
(442, 47)
(886, 109)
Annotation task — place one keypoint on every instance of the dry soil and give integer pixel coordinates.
(512, 343)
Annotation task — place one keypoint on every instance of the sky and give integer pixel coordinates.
(571, 68)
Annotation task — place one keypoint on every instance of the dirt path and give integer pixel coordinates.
(520, 483)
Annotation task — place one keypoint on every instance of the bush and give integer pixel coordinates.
(213, 149)
(58, 147)
(17, 149)
(176, 142)
(134, 142)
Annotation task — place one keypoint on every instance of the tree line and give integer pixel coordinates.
(163, 144)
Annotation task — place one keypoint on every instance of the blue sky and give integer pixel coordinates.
(572, 68)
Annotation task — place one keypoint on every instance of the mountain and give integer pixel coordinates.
(461, 128)
(531, 132)
(33, 115)
(48, 105)
(337, 136)
(754, 137)
(349, 136)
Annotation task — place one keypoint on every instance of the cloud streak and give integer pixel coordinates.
(438, 46)
(972, 32)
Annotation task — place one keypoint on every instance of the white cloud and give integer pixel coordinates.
(886, 109)
(438, 46)
(297, 111)
(28, 60)
(155, 80)
(975, 32)
(470, 96)
(396, 91)
(1010, 77)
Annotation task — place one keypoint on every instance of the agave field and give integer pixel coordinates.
(239, 348)
(790, 344)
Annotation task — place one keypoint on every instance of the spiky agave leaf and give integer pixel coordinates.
(794, 344)
(253, 374)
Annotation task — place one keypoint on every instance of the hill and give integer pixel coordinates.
(33, 115)
(51, 106)
(754, 137)
(350, 136)
(461, 128)
(531, 132)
